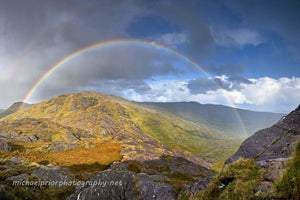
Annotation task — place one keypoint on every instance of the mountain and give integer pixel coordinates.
(266, 166)
(275, 142)
(222, 118)
(120, 119)
(13, 108)
(87, 136)
(139, 151)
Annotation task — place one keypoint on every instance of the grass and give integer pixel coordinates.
(115, 115)
(35, 192)
(82, 162)
(239, 180)
(81, 159)
(288, 185)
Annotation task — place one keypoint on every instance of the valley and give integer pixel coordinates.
(89, 134)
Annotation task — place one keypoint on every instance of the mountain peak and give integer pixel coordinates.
(14, 108)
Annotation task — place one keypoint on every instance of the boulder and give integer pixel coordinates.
(148, 189)
(106, 185)
(53, 175)
(273, 175)
(21, 177)
(4, 146)
(198, 186)
(123, 184)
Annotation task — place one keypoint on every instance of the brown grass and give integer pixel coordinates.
(103, 154)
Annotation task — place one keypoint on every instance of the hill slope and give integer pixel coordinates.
(222, 118)
(78, 136)
(275, 142)
(13, 108)
(142, 131)
(266, 166)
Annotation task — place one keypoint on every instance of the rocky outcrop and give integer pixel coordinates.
(4, 146)
(108, 184)
(148, 189)
(54, 175)
(198, 186)
(21, 177)
(123, 184)
(275, 142)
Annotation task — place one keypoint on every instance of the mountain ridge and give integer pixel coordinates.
(13, 108)
(219, 116)
(277, 141)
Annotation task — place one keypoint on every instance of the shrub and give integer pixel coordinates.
(288, 185)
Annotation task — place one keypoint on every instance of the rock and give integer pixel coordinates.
(24, 139)
(265, 187)
(123, 184)
(83, 103)
(21, 177)
(16, 161)
(275, 142)
(2, 188)
(54, 174)
(198, 186)
(4, 146)
(106, 185)
(272, 176)
(273, 164)
(149, 189)
(159, 177)
(9, 135)
(61, 146)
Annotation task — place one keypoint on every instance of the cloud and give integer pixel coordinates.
(33, 40)
(185, 14)
(228, 69)
(277, 95)
(172, 40)
(274, 94)
(279, 17)
(227, 76)
(236, 37)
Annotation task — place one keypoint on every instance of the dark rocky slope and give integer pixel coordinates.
(276, 142)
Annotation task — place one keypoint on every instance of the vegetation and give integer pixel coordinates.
(78, 160)
(103, 116)
(288, 185)
(235, 181)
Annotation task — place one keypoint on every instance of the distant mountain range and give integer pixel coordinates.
(227, 120)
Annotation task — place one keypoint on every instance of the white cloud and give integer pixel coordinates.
(273, 94)
(268, 94)
(236, 37)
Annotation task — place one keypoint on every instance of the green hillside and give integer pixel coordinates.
(105, 116)
(221, 118)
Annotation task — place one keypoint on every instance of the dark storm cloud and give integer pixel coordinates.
(281, 17)
(227, 76)
(35, 35)
(201, 84)
(122, 88)
(199, 42)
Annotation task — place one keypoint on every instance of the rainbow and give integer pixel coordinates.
(109, 43)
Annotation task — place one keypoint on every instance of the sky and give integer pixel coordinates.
(231, 52)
